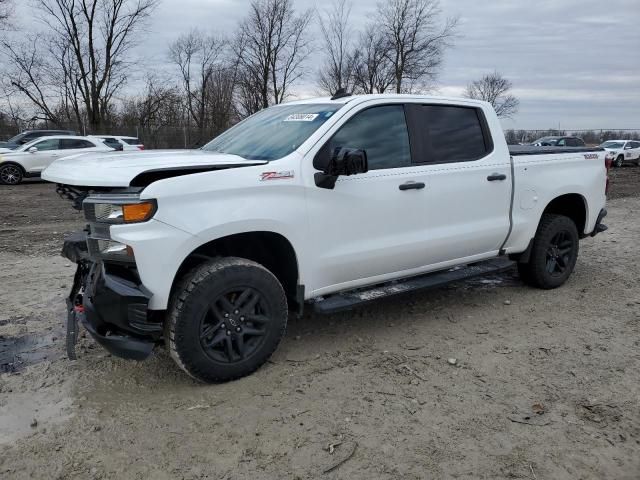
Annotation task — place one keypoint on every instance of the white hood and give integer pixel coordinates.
(117, 169)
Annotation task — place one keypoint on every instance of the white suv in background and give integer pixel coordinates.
(121, 143)
(33, 157)
(623, 151)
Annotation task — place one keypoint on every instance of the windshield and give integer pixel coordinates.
(612, 145)
(272, 133)
(16, 139)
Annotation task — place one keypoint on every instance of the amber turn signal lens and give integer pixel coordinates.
(138, 212)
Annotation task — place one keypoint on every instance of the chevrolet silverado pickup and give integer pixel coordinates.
(328, 203)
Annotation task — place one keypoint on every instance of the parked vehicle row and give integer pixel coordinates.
(623, 151)
(559, 142)
(29, 159)
(121, 143)
(29, 136)
(32, 158)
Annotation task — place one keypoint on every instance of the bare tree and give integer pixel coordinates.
(96, 34)
(494, 88)
(199, 57)
(6, 9)
(271, 47)
(415, 40)
(372, 71)
(337, 70)
(28, 74)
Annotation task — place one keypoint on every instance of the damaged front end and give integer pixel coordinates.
(107, 297)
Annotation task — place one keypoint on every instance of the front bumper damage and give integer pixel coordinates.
(113, 309)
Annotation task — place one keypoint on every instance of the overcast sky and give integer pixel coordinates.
(574, 63)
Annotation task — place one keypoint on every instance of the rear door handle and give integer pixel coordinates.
(496, 176)
(411, 186)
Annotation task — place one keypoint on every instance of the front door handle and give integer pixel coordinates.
(496, 176)
(411, 186)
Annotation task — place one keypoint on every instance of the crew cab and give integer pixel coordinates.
(325, 203)
(623, 151)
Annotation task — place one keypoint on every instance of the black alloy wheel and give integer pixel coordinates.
(234, 326)
(559, 253)
(226, 317)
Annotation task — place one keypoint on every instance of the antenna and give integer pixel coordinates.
(340, 93)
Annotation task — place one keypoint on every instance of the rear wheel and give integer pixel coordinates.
(619, 161)
(554, 253)
(226, 319)
(10, 174)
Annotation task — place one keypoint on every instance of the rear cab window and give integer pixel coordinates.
(448, 133)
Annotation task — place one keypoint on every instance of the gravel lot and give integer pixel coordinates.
(545, 383)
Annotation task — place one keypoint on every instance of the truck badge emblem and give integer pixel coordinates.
(276, 175)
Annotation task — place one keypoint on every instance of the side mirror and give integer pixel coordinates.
(344, 161)
(33, 150)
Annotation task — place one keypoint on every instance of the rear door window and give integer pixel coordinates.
(445, 133)
(132, 141)
(74, 143)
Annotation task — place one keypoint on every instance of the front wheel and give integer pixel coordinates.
(225, 320)
(619, 161)
(554, 253)
(10, 174)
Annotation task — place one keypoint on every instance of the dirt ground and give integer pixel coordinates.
(545, 383)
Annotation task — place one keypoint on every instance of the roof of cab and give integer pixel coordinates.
(386, 96)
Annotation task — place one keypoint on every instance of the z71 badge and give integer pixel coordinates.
(276, 175)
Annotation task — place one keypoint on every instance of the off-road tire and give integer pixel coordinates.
(619, 161)
(536, 271)
(190, 302)
(11, 174)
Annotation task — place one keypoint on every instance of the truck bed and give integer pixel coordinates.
(533, 150)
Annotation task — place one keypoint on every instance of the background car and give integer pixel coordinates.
(30, 159)
(559, 142)
(30, 135)
(623, 151)
(116, 141)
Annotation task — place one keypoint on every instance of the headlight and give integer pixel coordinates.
(118, 209)
(103, 211)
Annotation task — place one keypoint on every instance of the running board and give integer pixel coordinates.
(355, 298)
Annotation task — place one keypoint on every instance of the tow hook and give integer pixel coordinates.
(75, 315)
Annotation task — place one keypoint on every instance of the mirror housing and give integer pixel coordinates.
(33, 150)
(344, 161)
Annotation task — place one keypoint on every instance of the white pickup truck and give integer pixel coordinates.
(330, 202)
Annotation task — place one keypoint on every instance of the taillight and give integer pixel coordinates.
(140, 147)
(608, 163)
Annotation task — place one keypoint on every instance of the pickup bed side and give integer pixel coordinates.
(569, 183)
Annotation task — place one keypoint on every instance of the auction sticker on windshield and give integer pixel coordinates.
(301, 117)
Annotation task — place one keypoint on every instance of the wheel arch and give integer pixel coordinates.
(270, 249)
(572, 205)
(11, 162)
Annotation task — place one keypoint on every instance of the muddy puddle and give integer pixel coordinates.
(18, 352)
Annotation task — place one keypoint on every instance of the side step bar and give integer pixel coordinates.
(355, 298)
